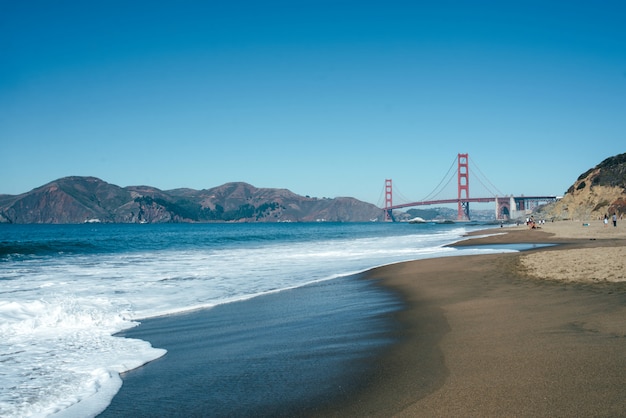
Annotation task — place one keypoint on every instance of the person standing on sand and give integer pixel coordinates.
(614, 219)
(606, 220)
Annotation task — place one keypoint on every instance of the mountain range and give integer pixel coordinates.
(598, 191)
(90, 199)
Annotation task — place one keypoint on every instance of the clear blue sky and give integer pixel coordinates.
(325, 98)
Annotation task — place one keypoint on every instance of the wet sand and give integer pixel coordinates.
(516, 334)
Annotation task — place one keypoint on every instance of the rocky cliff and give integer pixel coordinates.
(89, 199)
(599, 191)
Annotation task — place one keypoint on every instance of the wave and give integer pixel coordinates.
(48, 248)
(68, 289)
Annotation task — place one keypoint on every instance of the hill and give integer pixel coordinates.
(89, 199)
(448, 214)
(599, 191)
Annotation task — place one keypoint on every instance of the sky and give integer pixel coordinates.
(324, 98)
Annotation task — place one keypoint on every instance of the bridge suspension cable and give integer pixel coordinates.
(439, 189)
(400, 197)
(381, 198)
(504, 207)
(497, 192)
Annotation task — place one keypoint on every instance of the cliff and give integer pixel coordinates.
(599, 191)
(89, 199)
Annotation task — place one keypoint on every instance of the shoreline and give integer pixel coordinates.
(279, 354)
(487, 335)
(478, 335)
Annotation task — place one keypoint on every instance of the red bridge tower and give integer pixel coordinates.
(388, 200)
(463, 187)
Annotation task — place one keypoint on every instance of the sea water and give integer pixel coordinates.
(65, 290)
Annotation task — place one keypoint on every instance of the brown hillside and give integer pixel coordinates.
(89, 199)
(597, 192)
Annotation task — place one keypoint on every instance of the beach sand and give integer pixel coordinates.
(540, 333)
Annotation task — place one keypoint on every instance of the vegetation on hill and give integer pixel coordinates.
(89, 199)
(448, 214)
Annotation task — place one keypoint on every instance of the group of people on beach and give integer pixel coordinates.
(532, 224)
(606, 219)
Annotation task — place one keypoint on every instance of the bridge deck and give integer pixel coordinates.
(471, 199)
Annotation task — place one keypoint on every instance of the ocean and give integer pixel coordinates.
(280, 303)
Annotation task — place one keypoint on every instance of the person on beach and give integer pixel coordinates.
(606, 220)
(614, 219)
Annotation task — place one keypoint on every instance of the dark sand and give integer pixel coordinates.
(481, 338)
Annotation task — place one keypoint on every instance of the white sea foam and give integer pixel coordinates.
(58, 314)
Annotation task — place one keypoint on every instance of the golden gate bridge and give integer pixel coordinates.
(506, 207)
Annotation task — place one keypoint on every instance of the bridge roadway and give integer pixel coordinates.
(471, 199)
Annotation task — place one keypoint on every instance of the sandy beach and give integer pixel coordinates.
(540, 333)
